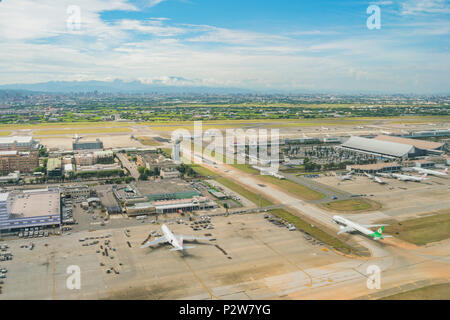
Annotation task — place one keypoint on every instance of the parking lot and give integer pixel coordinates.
(248, 256)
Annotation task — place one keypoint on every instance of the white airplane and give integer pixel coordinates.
(385, 175)
(402, 177)
(378, 180)
(348, 176)
(369, 176)
(350, 226)
(269, 172)
(432, 172)
(176, 240)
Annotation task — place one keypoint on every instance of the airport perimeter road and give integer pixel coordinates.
(129, 165)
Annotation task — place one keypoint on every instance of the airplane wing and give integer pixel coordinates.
(189, 238)
(346, 229)
(157, 241)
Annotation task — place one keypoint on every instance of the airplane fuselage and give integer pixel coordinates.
(170, 237)
(431, 172)
(347, 223)
(403, 177)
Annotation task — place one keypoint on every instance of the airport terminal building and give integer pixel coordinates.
(391, 147)
(32, 208)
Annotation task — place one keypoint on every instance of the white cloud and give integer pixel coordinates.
(153, 3)
(154, 27)
(416, 7)
(160, 51)
(28, 19)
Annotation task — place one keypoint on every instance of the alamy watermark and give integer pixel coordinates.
(238, 146)
(73, 281)
(374, 21)
(374, 277)
(73, 21)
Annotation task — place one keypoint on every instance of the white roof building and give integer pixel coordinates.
(379, 147)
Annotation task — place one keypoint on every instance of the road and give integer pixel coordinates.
(129, 165)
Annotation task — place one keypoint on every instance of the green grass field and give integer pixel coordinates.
(167, 151)
(253, 197)
(287, 185)
(294, 188)
(315, 232)
(353, 205)
(422, 231)
(203, 171)
(148, 142)
(435, 292)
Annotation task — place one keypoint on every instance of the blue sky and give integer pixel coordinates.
(321, 46)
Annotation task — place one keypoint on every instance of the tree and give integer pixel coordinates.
(43, 152)
(226, 206)
(39, 169)
(142, 170)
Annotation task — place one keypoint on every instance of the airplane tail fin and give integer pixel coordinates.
(379, 232)
(425, 176)
(446, 170)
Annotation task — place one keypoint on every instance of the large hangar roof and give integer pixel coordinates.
(378, 146)
(420, 144)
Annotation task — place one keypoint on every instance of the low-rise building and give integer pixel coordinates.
(140, 208)
(14, 160)
(104, 157)
(32, 208)
(18, 143)
(375, 168)
(77, 191)
(12, 177)
(99, 168)
(84, 159)
(54, 168)
(79, 145)
(170, 173)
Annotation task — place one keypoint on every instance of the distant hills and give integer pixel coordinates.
(119, 86)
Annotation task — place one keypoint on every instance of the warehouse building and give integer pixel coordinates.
(34, 208)
(87, 145)
(381, 148)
